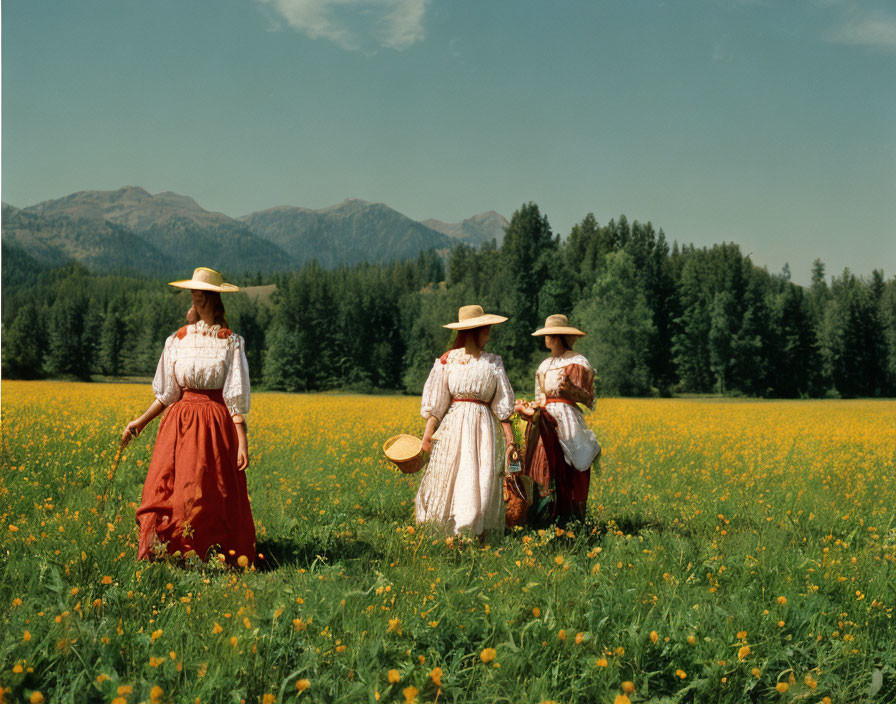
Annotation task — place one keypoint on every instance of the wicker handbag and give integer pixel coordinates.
(517, 499)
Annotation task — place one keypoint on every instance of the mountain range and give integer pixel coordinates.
(131, 230)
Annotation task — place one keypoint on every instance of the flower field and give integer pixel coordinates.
(735, 551)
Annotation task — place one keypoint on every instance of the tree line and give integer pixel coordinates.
(660, 319)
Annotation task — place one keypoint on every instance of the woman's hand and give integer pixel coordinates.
(427, 443)
(242, 458)
(131, 431)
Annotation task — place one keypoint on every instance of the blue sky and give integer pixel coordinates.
(768, 123)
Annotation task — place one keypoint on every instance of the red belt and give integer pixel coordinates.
(470, 400)
(561, 400)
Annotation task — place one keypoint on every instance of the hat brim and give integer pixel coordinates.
(202, 286)
(476, 322)
(558, 331)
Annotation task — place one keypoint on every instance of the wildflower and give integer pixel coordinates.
(302, 685)
(692, 639)
(561, 634)
(233, 641)
(156, 694)
(101, 678)
(120, 700)
(395, 625)
(536, 612)
(559, 559)
(741, 634)
(217, 628)
(26, 636)
(267, 698)
(654, 637)
(125, 689)
(410, 694)
(106, 580)
(36, 697)
(155, 662)
(622, 699)
(579, 638)
(743, 652)
(156, 635)
(243, 561)
(488, 654)
(681, 674)
(810, 681)
(782, 687)
(436, 676)
(628, 687)
(756, 672)
(393, 676)
(602, 662)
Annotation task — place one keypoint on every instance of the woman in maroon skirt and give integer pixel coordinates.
(195, 496)
(560, 447)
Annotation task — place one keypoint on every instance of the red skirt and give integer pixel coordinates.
(194, 497)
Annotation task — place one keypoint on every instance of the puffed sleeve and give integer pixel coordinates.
(164, 384)
(582, 380)
(236, 391)
(436, 396)
(502, 402)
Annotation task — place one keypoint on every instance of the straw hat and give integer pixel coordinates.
(557, 325)
(405, 451)
(205, 279)
(469, 317)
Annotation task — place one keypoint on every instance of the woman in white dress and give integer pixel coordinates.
(466, 396)
(560, 448)
(195, 494)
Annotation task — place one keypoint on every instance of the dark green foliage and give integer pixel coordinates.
(658, 318)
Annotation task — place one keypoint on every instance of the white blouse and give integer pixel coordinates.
(464, 376)
(197, 357)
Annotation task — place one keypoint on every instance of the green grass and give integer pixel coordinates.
(701, 517)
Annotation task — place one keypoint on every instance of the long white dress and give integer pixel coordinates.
(461, 488)
(580, 447)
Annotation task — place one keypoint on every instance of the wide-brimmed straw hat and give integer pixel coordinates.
(405, 451)
(469, 317)
(205, 279)
(557, 325)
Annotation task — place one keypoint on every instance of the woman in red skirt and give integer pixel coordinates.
(560, 447)
(195, 496)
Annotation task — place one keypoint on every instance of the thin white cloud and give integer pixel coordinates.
(355, 25)
(876, 31)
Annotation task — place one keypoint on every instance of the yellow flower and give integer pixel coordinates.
(120, 700)
(488, 654)
(106, 580)
(579, 638)
(681, 674)
(536, 612)
(782, 687)
(243, 561)
(436, 676)
(654, 636)
(267, 698)
(741, 634)
(302, 685)
(393, 676)
(811, 682)
(233, 641)
(101, 678)
(692, 639)
(628, 687)
(217, 628)
(622, 699)
(125, 689)
(395, 624)
(26, 636)
(559, 559)
(756, 672)
(36, 697)
(410, 695)
(156, 694)
(156, 635)
(743, 652)
(782, 600)
(602, 662)
(561, 634)
(155, 662)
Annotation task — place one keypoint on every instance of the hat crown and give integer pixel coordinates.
(208, 276)
(469, 312)
(556, 321)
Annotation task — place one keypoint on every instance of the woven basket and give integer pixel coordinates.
(405, 452)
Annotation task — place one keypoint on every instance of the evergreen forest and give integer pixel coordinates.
(661, 319)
